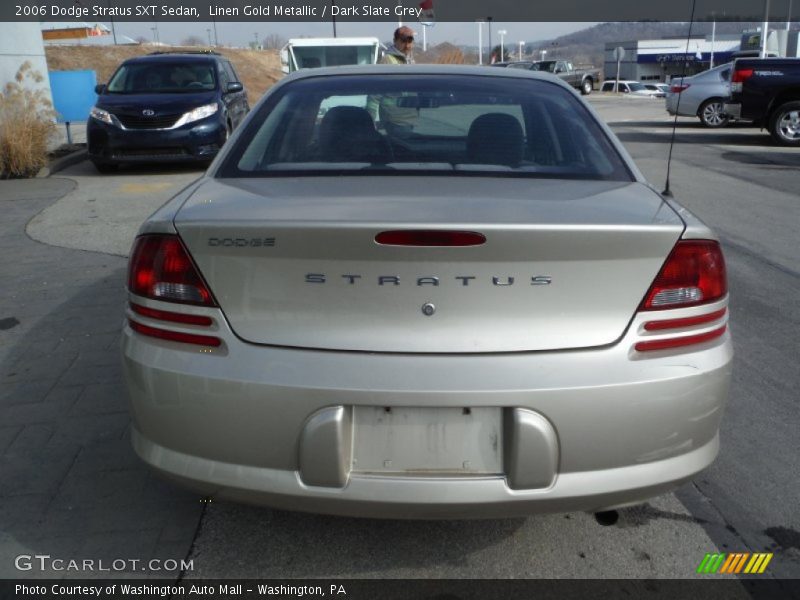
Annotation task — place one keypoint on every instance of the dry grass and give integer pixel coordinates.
(27, 122)
(452, 56)
(258, 69)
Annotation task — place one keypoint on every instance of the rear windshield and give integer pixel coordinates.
(163, 78)
(444, 124)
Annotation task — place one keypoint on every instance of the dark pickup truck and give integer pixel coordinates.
(581, 79)
(767, 92)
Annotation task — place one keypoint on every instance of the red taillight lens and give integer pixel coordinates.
(679, 342)
(175, 336)
(693, 274)
(430, 238)
(739, 75)
(679, 87)
(163, 315)
(160, 268)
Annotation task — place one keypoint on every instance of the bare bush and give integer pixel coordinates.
(26, 125)
(273, 41)
(452, 56)
(193, 40)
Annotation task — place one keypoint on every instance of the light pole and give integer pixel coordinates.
(256, 36)
(521, 45)
(502, 33)
(208, 31)
(480, 41)
(216, 40)
(491, 50)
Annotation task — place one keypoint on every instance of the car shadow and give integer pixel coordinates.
(750, 139)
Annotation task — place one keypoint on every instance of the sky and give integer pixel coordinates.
(241, 34)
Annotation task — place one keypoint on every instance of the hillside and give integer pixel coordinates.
(588, 45)
(259, 70)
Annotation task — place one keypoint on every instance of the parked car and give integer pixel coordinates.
(766, 91)
(165, 107)
(580, 79)
(635, 88)
(485, 312)
(702, 96)
(659, 89)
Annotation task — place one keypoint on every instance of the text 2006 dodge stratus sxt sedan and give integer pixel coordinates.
(426, 292)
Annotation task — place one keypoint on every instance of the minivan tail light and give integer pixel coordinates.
(693, 274)
(160, 268)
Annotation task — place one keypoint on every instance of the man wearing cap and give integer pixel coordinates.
(398, 121)
(400, 52)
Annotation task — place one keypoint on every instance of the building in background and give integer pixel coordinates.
(660, 60)
(83, 34)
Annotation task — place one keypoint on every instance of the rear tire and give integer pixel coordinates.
(784, 124)
(587, 86)
(712, 113)
(105, 167)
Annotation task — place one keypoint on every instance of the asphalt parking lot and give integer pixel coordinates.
(73, 488)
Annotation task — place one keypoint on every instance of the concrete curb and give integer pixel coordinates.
(62, 163)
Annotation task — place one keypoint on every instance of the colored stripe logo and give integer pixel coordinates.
(735, 562)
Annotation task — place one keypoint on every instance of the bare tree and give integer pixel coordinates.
(193, 40)
(273, 41)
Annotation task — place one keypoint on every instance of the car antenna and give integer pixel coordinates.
(667, 192)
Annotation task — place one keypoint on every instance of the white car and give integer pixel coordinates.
(634, 88)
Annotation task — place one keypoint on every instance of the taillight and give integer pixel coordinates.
(738, 78)
(175, 336)
(739, 75)
(427, 237)
(677, 88)
(173, 317)
(160, 268)
(693, 274)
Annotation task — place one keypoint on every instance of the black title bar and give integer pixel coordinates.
(389, 10)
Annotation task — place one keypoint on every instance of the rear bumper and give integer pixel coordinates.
(582, 430)
(734, 111)
(425, 498)
(199, 141)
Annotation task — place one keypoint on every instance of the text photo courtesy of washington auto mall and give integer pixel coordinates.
(401, 299)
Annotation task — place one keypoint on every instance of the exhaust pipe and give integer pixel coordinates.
(606, 518)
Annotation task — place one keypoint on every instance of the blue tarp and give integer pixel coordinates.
(73, 94)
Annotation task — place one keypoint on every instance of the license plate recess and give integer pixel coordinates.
(433, 441)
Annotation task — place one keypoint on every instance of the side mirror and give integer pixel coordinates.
(234, 87)
(100, 89)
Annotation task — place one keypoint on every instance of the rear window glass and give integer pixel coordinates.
(399, 124)
(162, 78)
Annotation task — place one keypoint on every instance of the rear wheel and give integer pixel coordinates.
(587, 86)
(784, 125)
(712, 113)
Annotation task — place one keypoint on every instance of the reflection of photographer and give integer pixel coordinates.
(400, 51)
(397, 119)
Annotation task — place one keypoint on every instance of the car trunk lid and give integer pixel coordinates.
(295, 262)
